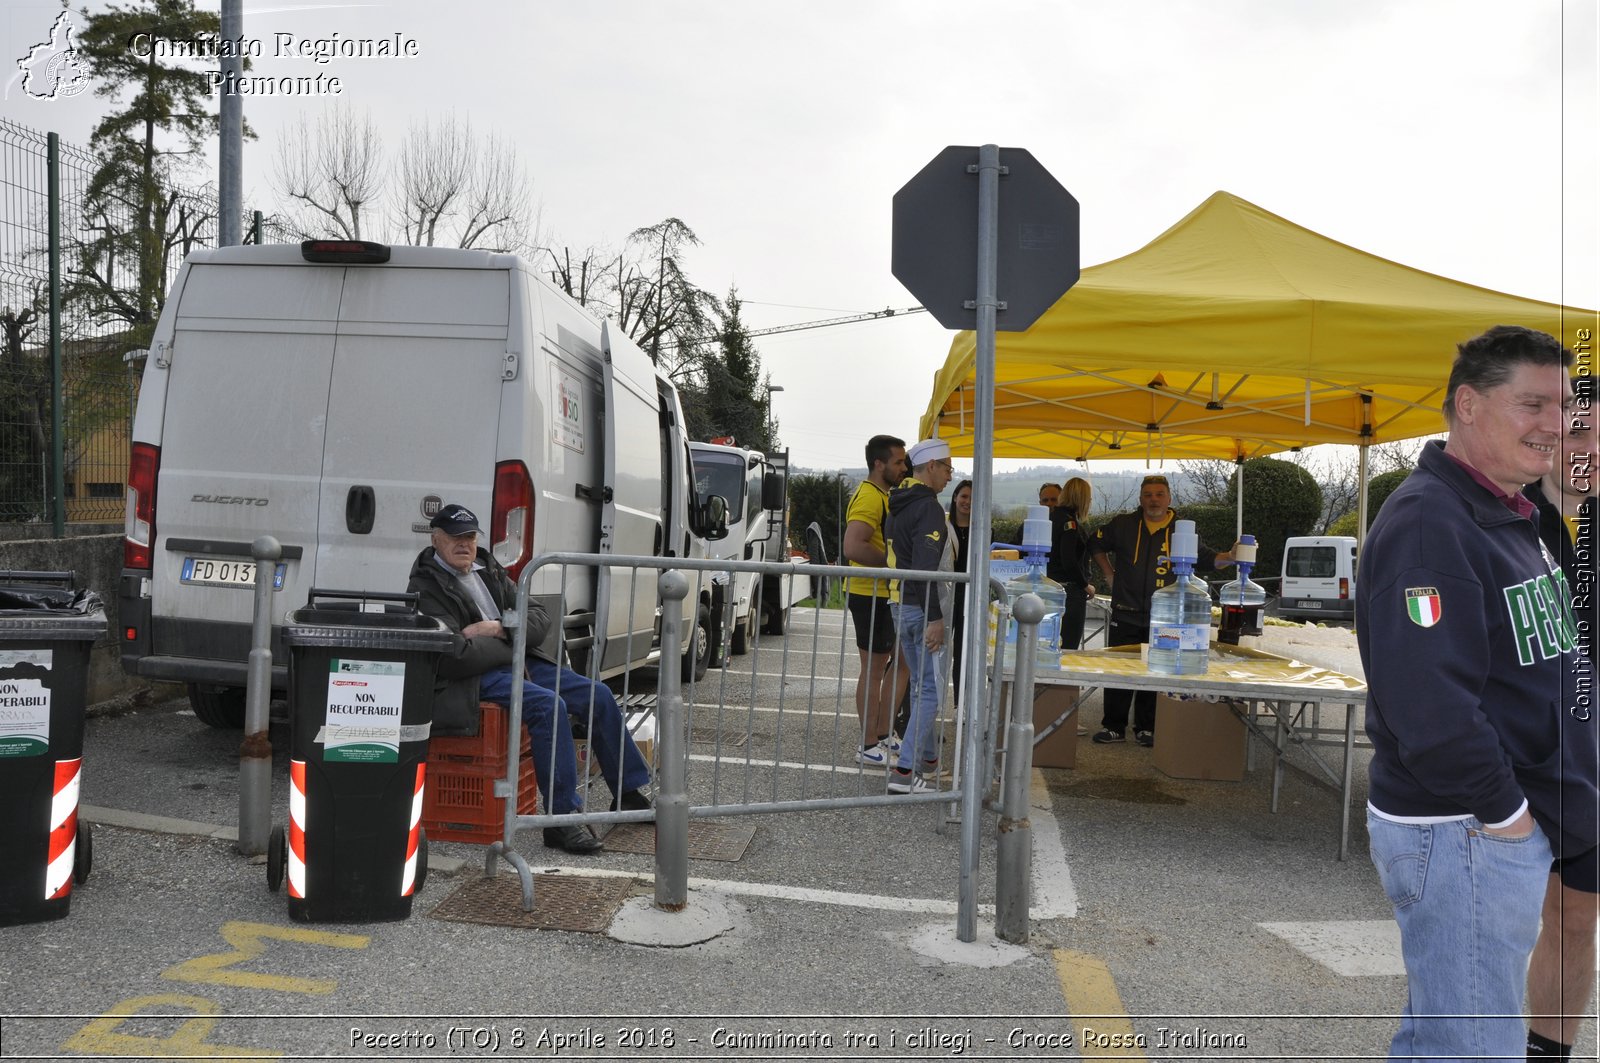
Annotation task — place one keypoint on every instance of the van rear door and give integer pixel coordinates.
(241, 449)
(412, 414)
(631, 521)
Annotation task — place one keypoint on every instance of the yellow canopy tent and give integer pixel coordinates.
(1235, 333)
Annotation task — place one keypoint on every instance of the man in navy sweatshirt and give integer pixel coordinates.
(1480, 705)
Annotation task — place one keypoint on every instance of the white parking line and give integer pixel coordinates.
(1053, 894)
(1355, 948)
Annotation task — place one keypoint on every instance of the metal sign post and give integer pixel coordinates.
(1026, 248)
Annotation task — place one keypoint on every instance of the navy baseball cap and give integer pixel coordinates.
(456, 520)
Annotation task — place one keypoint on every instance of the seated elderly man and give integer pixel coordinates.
(461, 584)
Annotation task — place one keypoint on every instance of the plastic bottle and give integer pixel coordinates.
(1243, 601)
(1180, 613)
(1036, 549)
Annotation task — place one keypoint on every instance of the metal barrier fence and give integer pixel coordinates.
(115, 265)
(718, 750)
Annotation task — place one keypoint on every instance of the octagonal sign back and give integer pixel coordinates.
(935, 241)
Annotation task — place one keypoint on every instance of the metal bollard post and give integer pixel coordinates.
(1014, 852)
(672, 796)
(255, 751)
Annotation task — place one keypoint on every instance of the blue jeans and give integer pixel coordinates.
(927, 675)
(1468, 907)
(609, 741)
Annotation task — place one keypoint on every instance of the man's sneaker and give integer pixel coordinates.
(891, 743)
(1106, 735)
(1145, 738)
(903, 782)
(875, 757)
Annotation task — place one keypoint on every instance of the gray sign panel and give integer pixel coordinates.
(935, 251)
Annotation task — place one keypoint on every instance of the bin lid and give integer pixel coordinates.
(38, 612)
(353, 629)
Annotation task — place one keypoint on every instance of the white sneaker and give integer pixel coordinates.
(908, 784)
(876, 757)
(891, 743)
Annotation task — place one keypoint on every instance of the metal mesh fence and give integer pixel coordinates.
(113, 281)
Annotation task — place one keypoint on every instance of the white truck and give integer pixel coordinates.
(334, 395)
(754, 487)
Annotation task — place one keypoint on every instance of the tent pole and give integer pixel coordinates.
(1238, 512)
(1361, 495)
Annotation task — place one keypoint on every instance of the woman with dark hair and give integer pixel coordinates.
(1069, 557)
(961, 525)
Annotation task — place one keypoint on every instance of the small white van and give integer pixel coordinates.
(334, 395)
(1319, 577)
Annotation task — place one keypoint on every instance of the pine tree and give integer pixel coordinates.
(132, 203)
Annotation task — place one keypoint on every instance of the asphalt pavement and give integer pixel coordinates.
(1171, 919)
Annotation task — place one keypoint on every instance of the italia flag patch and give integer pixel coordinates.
(1422, 605)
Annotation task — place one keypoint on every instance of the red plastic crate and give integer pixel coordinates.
(458, 802)
(485, 749)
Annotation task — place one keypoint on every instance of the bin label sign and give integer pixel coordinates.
(364, 702)
(24, 703)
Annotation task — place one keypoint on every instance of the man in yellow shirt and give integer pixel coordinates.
(868, 599)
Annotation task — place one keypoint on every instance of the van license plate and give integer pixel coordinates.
(1309, 604)
(216, 572)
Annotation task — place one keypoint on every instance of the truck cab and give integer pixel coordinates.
(755, 489)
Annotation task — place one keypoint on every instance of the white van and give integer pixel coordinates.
(1319, 577)
(755, 489)
(334, 395)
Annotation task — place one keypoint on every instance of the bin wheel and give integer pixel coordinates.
(422, 861)
(277, 851)
(83, 854)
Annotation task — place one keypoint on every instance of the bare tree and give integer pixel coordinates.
(449, 186)
(585, 280)
(333, 174)
(1207, 479)
(434, 163)
(1338, 470)
(498, 212)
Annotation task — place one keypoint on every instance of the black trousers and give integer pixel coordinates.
(1116, 700)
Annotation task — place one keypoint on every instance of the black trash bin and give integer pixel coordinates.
(47, 629)
(361, 672)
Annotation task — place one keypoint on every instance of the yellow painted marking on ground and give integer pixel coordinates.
(100, 1038)
(1099, 1021)
(249, 941)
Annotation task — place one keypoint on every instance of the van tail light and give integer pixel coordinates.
(139, 521)
(1344, 587)
(511, 520)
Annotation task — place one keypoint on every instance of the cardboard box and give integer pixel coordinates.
(1060, 750)
(1199, 740)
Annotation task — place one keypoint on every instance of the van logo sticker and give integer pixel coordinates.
(431, 504)
(566, 409)
(229, 500)
(1422, 605)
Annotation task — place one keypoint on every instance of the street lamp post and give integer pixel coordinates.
(770, 389)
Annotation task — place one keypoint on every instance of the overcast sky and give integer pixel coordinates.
(1457, 136)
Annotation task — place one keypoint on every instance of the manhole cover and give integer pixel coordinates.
(708, 840)
(1117, 788)
(721, 739)
(560, 902)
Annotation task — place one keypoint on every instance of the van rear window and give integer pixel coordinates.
(1312, 562)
